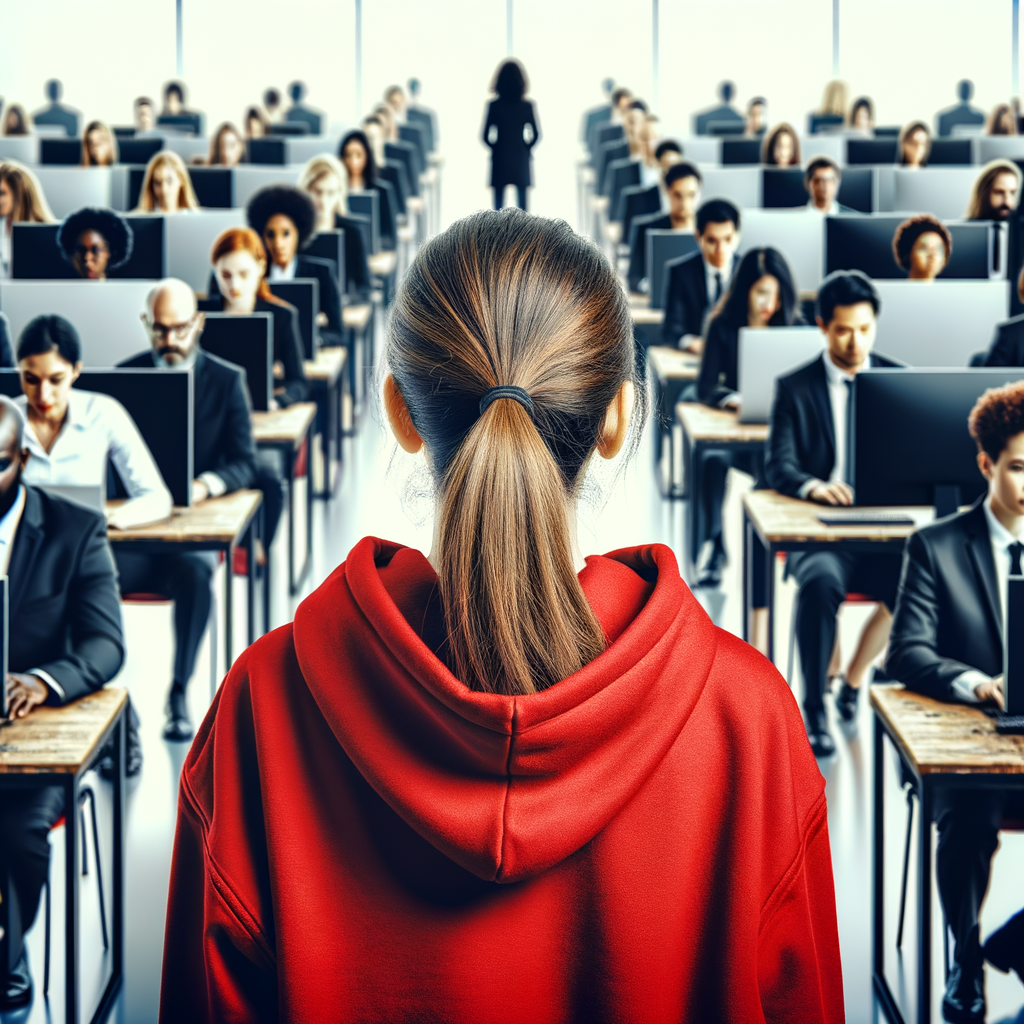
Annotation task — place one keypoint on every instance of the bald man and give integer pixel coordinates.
(65, 640)
(224, 460)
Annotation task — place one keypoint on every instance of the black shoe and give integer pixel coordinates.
(16, 988)
(711, 574)
(818, 735)
(1004, 949)
(132, 750)
(178, 726)
(846, 700)
(964, 1001)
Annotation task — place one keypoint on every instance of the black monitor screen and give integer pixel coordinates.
(304, 295)
(329, 245)
(825, 122)
(784, 187)
(191, 123)
(212, 186)
(741, 151)
(367, 204)
(950, 151)
(909, 438)
(871, 151)
(289, 128)
(248, 342)
(60, 151)
(726, 127)
(267, 151)
(138, 151)
(35, 255)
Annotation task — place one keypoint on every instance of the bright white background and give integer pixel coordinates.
(906, 54)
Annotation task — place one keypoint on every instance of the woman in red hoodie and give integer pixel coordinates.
(503, 783)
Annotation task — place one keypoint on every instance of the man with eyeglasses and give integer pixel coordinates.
(224, 461)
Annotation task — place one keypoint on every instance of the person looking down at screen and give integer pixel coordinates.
(99, 145)
(228, 147)
(166, 186)
(862, 114)
(95, 241)
(922, 246)
(781, 147)
(504, 745)
(914, 145)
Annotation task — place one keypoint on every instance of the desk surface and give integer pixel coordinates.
(58, 739)
(778, 518)
(673, 363)
(942, 739)
(702, 423)
(284, 426)
(216, 521)
(356, 317)
(327, 366)
(382, 263)
(648, 317)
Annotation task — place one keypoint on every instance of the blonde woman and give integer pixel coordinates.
(21, 201)
(99, 145)
(166, 188)
(835, 99)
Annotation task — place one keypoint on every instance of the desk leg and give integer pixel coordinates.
(924, 897)
(290, 459)
(229, 577)
(71, 924)
(878, 855)
(250, 576)
(769, 596)
(748, 573)
(120, 741)
(694, 517)
(308, 561)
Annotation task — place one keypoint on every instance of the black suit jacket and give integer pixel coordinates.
(222, 429)
(948, 616)
(686, 296)
(6, 345)
(1007, 348)
(801, 437)
(510, 152)
(638, 245)
(65, 609)
(330, 294)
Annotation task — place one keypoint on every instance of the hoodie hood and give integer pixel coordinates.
(506, 787)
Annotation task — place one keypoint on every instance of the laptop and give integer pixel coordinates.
(92, 498)
(1012, 719)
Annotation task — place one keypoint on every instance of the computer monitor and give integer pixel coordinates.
(190, 241)
(304, 294)
(329, 245)
(60, 151)
(871, 151)
(411, 154)
(766, 355)
(951, 151)
(605, 133)
(417, 135)
(35, 256)
(741, 185)
(726, 127)
(824, 123)
(248, 342)
(1013, 665)
(887, 132)
(942, 323)
(797, 234)
(741, 151)
(784, 187)
(664, 245)
(942, 191)
(865, 243)
(138, 151)
(213, 187)
(267, 151)
(191, 123)
(70, 188)
(367, 204)
(289, 128)
(909, 443)
(249, 179)
(617, 149)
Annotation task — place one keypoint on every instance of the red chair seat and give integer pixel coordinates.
(144, 598)
(302, 459)
(241, 562)
(854, 598)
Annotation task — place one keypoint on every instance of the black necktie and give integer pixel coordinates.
(718, 286)
(1015, 550)
(997, 254)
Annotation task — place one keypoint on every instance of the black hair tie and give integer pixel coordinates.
(520, 395)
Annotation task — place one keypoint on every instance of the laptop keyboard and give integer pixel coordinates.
(864, 517)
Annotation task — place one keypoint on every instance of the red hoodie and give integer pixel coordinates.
(362, 838)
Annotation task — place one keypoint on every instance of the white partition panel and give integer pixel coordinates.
(69, 188)
(798, 234)
(944, 191)
(301, 148)
(994, 147)
(766, 355)
(700, 149)
(740, 185)
(831, 145)
(250, 178)
(23, 148)
(942, 323)
(189, 147)
(106, 313)
(190, 240)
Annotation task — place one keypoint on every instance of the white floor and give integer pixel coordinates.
(387, 495)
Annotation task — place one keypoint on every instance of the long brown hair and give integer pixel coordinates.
(978, 206)
(186, 196)
(246, 240)
(87, 155)
(508, 298)
(30, 204)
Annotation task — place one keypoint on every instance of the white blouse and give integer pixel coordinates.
(97, 428)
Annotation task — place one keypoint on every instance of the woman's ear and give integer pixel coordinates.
(615, 427)
(398, 416)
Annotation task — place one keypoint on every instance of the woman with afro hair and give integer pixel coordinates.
(922, 246)
(95, 242)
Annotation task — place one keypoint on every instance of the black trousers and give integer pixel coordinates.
(499, 196)
(825, 578)
(968, 821)
(270, 480)
(26, 817)
(186, 579)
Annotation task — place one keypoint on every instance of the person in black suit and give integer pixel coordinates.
(363, 174)
(6, 346)
(822, 180)
(65, 641)
(761, 294)
(511, 131)
(682, 184)
(224, 459)
(696, 282)
(1007, 348)
(947, 642)
(724, 112)
(285, 218)
(807, 456)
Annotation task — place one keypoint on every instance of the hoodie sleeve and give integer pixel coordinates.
(799, 971)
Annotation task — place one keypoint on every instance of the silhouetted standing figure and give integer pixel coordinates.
(962, 113)
(725, 111)
(56, 113)
(511, 131)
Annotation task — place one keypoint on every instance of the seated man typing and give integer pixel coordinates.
(947, 642)
(65, 641)
(806, 456)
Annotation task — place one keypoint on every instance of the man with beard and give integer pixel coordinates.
(224, 461)
(994, 197)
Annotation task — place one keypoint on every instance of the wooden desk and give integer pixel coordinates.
(55, 747)
(942, 746)
(781, 523)
(671, 370)
(359, 321)
(217, 524)
(647, 317)
(382, 264)
(285, 431)
(326, 375)
(705, 430)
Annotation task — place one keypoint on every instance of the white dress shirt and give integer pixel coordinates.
(649, 175)
(98, 427)
(282, 273)
(1001, 539)
(839, 399)
(5, 249)
(710, 272)
(832, 211)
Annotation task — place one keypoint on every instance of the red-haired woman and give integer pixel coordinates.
(504, 783)
(240, 267)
